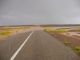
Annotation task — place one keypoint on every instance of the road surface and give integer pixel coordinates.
(36, 45)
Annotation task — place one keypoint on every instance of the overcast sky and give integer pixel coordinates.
(39, 12)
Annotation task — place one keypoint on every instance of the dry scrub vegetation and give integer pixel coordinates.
(69, 41)
(8, 31)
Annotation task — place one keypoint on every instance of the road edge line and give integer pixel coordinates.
(21, 46)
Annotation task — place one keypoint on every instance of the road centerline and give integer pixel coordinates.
(21, 46)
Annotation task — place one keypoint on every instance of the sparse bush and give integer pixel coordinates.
(5, 33)
(67, 43)
(45, 29)
(49, 30)
(60, 30)
(77, 49)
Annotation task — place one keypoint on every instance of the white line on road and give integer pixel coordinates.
(18, 50)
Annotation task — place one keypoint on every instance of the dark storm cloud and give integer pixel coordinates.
(39, 12)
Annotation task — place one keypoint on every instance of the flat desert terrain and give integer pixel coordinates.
(68, 35)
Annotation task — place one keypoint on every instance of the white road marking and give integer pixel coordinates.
(18, 50)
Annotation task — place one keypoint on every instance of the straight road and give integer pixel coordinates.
(37, 45)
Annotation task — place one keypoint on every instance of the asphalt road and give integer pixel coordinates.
(36, 45)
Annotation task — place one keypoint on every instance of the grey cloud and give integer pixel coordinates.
(40, 12)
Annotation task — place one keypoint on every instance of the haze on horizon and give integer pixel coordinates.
(20, 12)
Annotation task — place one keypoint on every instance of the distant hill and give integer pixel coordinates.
(44, 25)
(60, 25)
